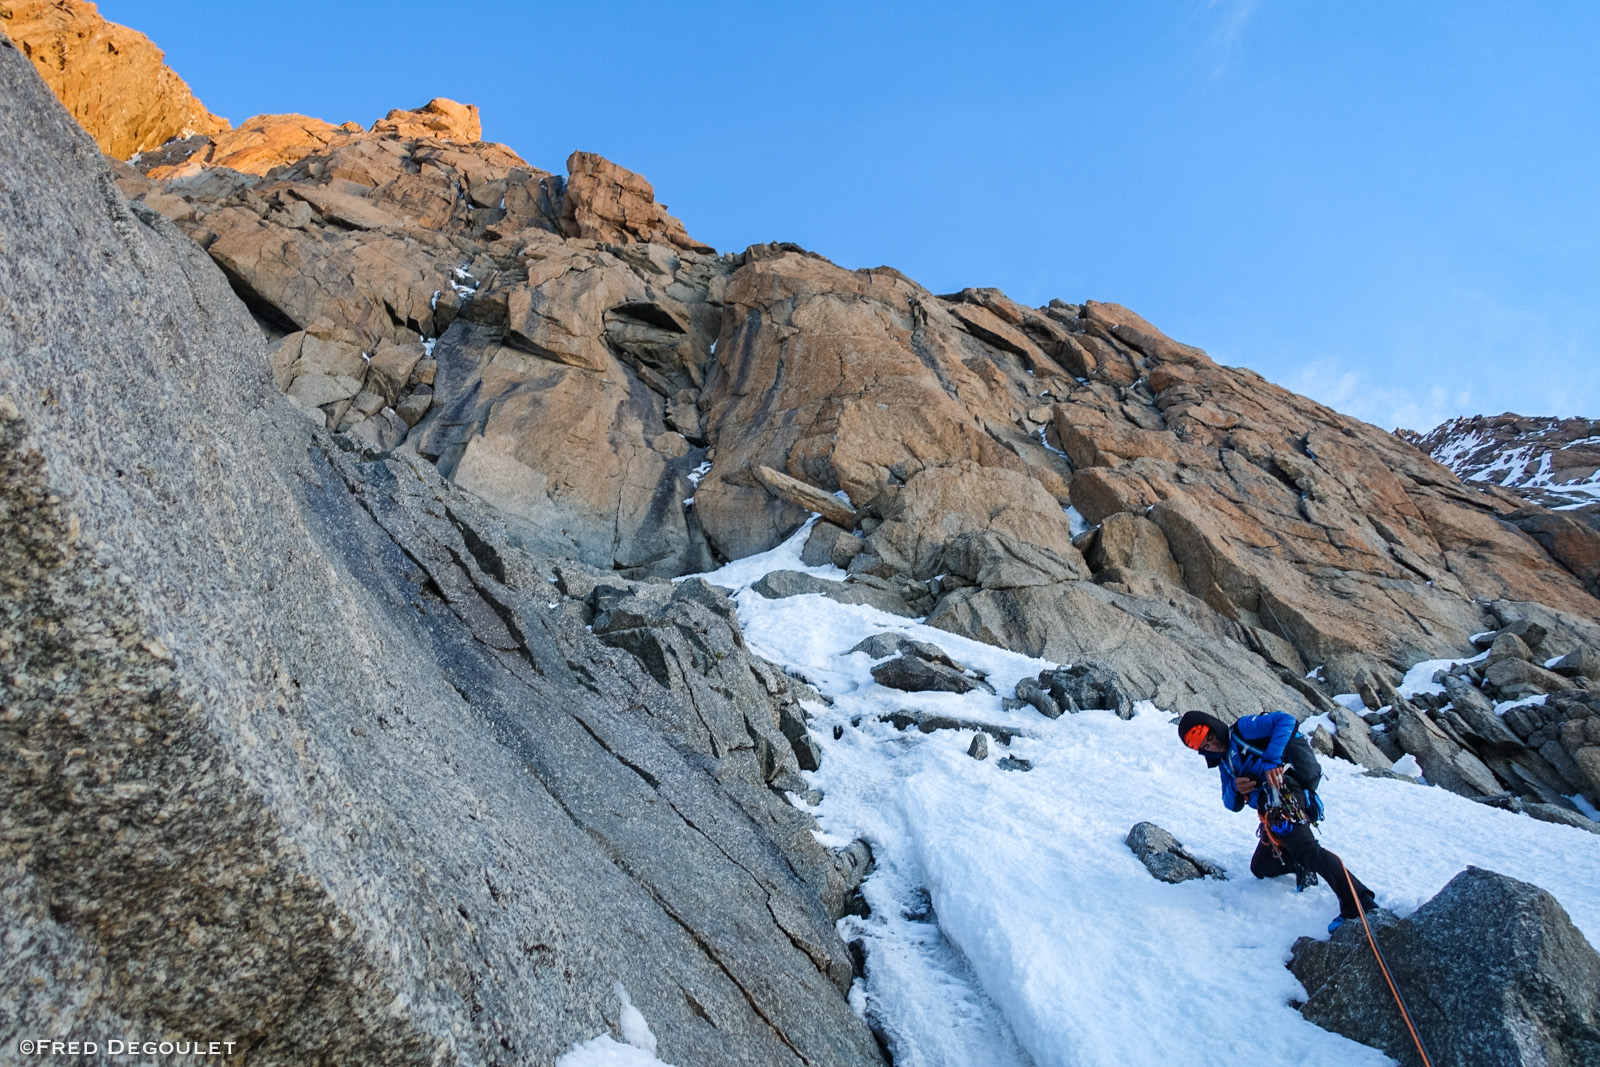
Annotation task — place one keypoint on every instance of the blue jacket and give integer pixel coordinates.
(1255, 746)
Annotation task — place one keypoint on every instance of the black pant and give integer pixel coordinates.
(1301, 852)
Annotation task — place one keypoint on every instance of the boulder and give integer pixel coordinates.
(881, 646)
(830, 544)
(784, 583)
(1508, 645)
(1164, 856)
(1515, 678)
(807, 497)
(1477, 711)
(1088, 685)
(1030, 692)
(912, 674)
(1353, 741)
(1580, 740)
(979, 749)
(1582, 662)
(1528, 631)
(1492, 969)
(1553, 813)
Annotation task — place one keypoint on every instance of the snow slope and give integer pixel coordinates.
(1011, 925)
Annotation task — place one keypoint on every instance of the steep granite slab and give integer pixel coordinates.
(282, 768)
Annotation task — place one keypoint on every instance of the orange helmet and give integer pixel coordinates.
(1196, 735)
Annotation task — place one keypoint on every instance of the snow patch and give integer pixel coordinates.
(1506, 705)
(1309, 727)
(1408, 766)
(1419, 679)
(606, 1051)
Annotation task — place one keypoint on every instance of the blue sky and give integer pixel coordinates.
(1391, 207)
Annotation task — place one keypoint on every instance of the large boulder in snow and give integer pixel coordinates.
(1088, 685)
(1493, 970)
(910, 673)
(781, 584)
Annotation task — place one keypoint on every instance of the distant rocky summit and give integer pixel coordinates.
(1553, 462)
(357, 698)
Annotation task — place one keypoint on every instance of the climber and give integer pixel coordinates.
(1267, 764)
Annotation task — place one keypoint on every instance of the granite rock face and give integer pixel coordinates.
(367, 506)
(632, 399)
(301, 745)
(114, 79)
(1492, 969)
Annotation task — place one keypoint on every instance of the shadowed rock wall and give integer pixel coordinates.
(300, 749)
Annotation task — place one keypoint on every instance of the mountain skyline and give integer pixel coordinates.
(1382, 210)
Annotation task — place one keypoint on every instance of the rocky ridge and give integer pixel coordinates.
(1554, 464)
(114, 79)
(526, 400)
(486, 333)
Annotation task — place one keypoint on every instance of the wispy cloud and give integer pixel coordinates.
(1229, 20)
(1353, 392)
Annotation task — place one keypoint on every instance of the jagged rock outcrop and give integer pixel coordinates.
(303, 747)
(264, 143)
(412, 281)
(1492, 969)
(612, 205)
(114, 79)
(639, 403)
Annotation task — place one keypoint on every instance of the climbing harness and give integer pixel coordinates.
(1279, 814)
(1383, 965)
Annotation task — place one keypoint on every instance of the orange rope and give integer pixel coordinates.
(1384, 966)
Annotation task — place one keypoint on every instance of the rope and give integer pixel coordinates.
(1383, 965)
